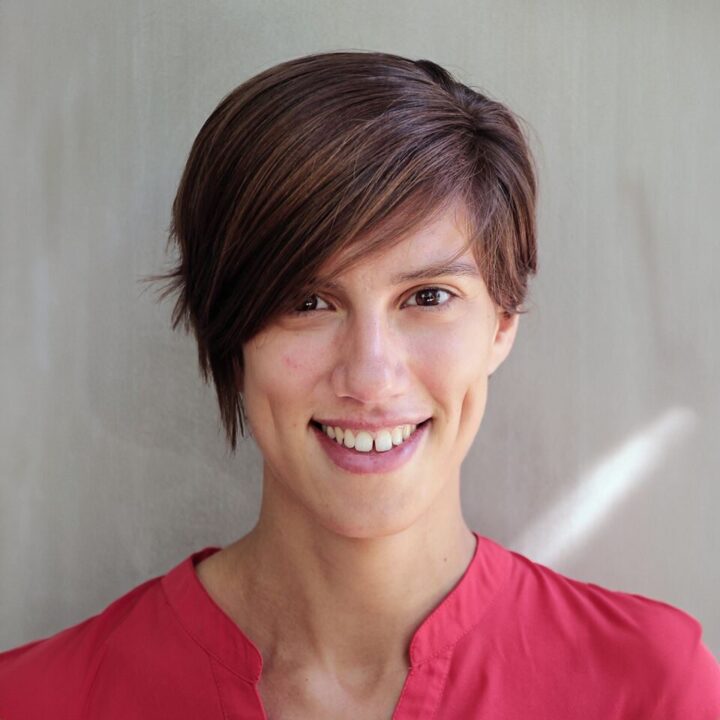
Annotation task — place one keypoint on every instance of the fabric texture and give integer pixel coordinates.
(513, 640)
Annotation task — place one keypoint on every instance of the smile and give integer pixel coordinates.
(362, 451)
(366, 441)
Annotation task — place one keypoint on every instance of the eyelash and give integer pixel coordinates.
(442, 306)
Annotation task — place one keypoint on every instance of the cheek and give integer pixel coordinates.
(292, 363)
(453, 357)
(454, 369)
(278, 375)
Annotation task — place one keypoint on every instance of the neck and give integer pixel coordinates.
(310, 597)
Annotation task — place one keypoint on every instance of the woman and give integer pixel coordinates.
(356, 232)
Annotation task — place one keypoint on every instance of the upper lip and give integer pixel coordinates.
(376, 424)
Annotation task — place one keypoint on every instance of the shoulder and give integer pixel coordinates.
(50, 677)
(646, 642)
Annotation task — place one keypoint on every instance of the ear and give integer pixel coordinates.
(503, 339)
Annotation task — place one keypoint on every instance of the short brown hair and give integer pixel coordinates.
(333, 152)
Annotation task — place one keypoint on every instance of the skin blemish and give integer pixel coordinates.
(291, 362)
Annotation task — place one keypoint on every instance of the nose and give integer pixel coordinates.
(371, 366)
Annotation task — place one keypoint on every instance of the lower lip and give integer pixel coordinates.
(371, 462)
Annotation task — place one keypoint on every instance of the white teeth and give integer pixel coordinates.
(364, 441)
(383, 441)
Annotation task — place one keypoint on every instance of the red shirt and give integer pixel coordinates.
(513, 640)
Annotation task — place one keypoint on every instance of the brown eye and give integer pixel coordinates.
(309, 304)
(431, 297)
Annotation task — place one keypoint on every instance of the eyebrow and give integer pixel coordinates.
(457, 267)
(444, 267)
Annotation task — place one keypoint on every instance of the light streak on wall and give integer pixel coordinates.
(571, 521)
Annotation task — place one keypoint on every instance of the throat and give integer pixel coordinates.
(305, 693)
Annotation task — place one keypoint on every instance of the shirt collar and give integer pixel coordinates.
(457, 613)
(464, 606)
(206, 622)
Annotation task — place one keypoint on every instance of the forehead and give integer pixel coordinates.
(442, 240)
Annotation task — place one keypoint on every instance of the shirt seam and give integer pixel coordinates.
(451, 645)
(217, 688)
(202, 645)
(441, 694)
(90, 683)
(91, 680)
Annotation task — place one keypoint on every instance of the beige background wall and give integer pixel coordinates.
(598, 454)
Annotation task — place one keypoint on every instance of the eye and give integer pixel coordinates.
(431, 297)
(309, 304)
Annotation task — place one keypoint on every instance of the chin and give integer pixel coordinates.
(376, 516)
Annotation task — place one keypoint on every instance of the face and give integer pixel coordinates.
(397, 340)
